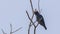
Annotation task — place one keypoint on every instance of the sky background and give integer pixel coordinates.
(14, 12)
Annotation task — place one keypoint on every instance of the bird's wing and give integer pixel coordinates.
(40, 19)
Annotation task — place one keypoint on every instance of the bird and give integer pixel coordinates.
(40, 19)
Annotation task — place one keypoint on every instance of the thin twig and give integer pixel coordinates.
(29, 28)
(30, 24)
(31, 5)
(3, 31)
(11, 28)
(17, 30)
(32, 9)
(39, 6)
(11, 32)
(30, 18)
(34, 30)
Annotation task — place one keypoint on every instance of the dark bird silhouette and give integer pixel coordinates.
(40, 19)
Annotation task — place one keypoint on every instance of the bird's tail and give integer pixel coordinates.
(45, 27)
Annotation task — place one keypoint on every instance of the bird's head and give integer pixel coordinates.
(36, 12)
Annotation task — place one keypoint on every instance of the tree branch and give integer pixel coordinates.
(31, 5)
(11, 28)
(17, 30)
(3, 31)
(29, 28)
(30, 18)
(11, 32)
(39, 7)
(34, 30)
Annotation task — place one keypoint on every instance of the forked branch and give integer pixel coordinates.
(30, 18)
(31, 24)
(11, 32)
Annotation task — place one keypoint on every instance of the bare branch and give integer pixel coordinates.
(11, 28)
(39, 6)
(29, 28)
(17, 30)
(30, 18)
(11, 32)
(30, 24)
(31, 5)
(32, 9)
(3, 31)
(34, 30)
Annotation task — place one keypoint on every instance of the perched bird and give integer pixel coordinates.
(40, 19)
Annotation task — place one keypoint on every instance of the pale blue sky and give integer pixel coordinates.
(14, 12)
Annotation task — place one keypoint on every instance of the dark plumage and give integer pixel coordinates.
(40, 19)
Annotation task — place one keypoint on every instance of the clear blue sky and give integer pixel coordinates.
(14, 12)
